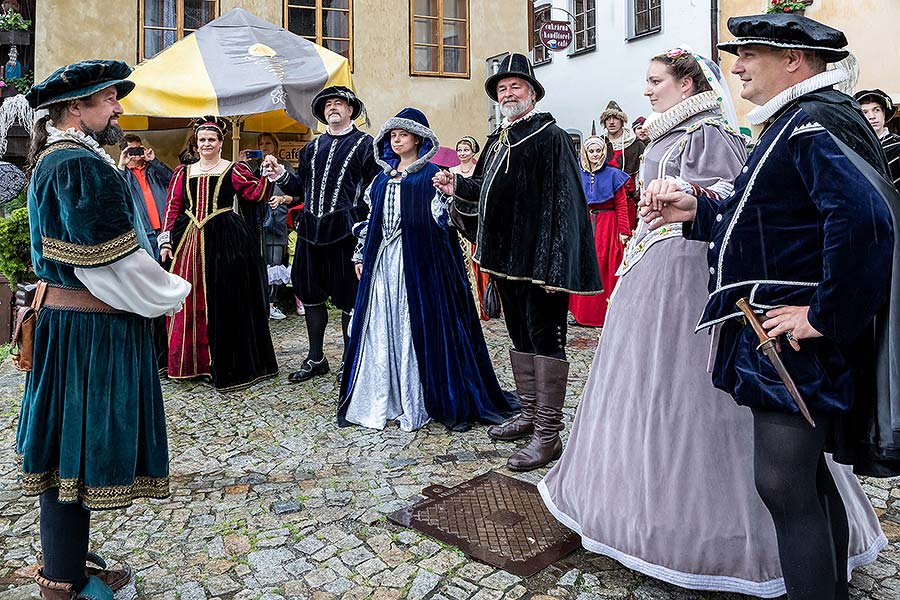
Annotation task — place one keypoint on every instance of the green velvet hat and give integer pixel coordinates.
(80, 80)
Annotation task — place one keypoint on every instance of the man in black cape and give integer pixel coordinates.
(808, 237)
(525, 210)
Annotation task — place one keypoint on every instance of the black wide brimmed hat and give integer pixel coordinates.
(335, 91)
(789, 31)
(80, 80)
(879, 97)
(514, 65)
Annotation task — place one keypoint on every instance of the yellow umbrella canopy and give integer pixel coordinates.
(238, 66)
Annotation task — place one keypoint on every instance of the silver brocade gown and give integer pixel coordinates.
(658, 470)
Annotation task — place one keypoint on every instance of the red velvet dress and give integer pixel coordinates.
(223, 331)
(609, 219)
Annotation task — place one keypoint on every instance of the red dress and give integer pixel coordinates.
(223, 330)
(609, 218)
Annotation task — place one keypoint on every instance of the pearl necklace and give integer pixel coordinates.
(202, 170)
(465, 172)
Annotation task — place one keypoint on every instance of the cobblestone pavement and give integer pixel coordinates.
(272, 501)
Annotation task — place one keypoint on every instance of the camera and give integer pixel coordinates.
(136, 151)
(254, 153)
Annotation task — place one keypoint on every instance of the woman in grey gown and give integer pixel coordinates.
(658, 470)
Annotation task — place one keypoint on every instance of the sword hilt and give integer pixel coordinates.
(744, 306)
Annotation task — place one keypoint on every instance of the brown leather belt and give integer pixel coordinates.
(80, 300)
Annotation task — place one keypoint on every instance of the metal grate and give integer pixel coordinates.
(493, 518)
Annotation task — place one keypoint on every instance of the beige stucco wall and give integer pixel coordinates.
(67, 31)
(870, 26)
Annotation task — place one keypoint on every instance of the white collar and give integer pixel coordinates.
(884, 133)
(623, 141)
(659, 124)
(507, 123)
(763, 113)
(73, 135)
(345, 131)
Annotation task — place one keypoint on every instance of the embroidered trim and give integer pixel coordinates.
(88, 256)
(51, 148)
(311, 190)
(772, 42)
(343, 172)
(95, 498)
(320, 206)
(811, 127)
(745, 196)
(660, 124)
(763, 113)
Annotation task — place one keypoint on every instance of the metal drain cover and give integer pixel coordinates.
(494, 518)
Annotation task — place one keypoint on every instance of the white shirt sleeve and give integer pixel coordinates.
(136, 284)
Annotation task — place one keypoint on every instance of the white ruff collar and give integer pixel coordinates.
(763, 113)
(73, 135)
(506, 123)
(659, 124)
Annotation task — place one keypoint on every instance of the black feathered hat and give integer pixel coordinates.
(879, 97)
(514, 65)
(786, 30)
(340, 92)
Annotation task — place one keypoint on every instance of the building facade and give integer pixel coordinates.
(613, 42)
(432, 54)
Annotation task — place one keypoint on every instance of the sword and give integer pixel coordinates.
(767, 345)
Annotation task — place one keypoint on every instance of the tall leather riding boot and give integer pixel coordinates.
(551, 376)
(523, 424)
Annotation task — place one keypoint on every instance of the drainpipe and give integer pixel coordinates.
(714, 30)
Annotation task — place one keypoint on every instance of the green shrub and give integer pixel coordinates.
(15, 248)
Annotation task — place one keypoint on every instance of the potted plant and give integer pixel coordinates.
(14, 29)
(788, 6)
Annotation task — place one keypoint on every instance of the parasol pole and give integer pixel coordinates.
(236, 123)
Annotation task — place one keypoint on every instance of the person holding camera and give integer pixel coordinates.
(147, 179)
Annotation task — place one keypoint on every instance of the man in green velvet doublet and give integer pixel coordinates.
(88, 362)
(92, 431)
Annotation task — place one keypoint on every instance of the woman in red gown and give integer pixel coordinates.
(604, 188)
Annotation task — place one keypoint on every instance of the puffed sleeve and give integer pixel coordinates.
(248, 186)
(95, 224)
(711, 160)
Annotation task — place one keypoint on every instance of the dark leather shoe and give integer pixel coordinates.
(514, 429)
(308, 370)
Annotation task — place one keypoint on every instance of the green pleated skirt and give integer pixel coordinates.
(92, 422)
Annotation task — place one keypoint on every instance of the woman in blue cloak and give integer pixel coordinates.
(416, 349)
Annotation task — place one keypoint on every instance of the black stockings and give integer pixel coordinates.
(797, 488)
(64, 539)
(316, 321)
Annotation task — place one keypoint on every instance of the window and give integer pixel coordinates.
(646, 17)
(439, 37)
(585, 25)
(164, 22)
(540, 55)
(328, 23)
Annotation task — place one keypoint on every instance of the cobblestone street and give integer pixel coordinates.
(271, 500)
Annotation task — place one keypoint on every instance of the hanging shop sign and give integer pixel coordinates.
(556, 35)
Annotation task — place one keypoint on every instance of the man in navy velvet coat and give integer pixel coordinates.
(807, 237)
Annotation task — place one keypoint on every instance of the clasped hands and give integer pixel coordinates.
(271, 168)
(663, 201)
(444, 182)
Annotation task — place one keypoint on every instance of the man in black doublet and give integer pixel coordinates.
(333, 173)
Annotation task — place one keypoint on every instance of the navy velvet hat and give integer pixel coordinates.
(514, 65)
(786, 30)
(879, 97)
(80, 80)
(335, 91)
